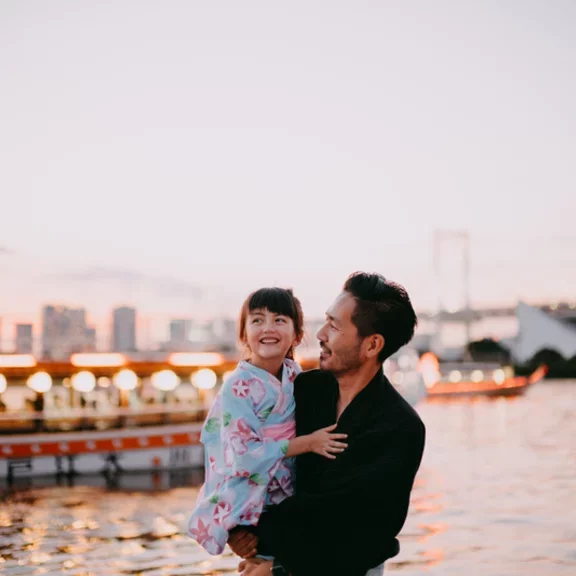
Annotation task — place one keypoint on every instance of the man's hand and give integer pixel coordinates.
(243, 542)
(256, 567)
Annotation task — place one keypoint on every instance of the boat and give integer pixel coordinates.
(104, 413)
(471, 379)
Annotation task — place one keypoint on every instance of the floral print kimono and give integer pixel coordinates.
(246, 438)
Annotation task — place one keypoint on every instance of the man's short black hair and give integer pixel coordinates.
(382, 307)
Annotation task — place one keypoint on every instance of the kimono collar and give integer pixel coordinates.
(260, 372)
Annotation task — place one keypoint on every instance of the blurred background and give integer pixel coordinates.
(160, 160)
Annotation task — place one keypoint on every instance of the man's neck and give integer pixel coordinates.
(352, 383)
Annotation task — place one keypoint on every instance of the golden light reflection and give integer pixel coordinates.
(98, 360)
(428, 503)
(125, 380)
(17, 361)
(84, 381)
(434, 556)
(429, 368)
(431, 529)
(195, 359)
(165, 380)
(39, 558)
(204, 379)
(40, 382)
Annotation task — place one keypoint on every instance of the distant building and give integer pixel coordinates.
(90, 340)
(179, 335)
(64, 331)
(124, 329)
(225, 334)
(24, 339)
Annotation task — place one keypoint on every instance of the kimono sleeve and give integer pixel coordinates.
(248, 453)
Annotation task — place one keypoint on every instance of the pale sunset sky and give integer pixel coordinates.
(175, 155)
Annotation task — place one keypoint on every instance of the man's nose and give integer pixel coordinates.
(321, 333)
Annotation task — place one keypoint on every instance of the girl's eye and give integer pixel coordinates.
(282, 320)
(254, 320)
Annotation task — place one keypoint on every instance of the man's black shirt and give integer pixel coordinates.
(346, 513)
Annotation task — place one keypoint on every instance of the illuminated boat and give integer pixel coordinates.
(466, 379)
(104, 413)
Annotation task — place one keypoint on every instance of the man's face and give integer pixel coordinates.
(341, 347)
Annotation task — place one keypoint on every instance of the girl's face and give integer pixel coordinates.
(268, 335)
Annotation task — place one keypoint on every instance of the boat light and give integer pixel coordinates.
(477, 376)
(204, 379)
(195, 359)
(455, 376)
(40, 382)
(398, 378)
(499, 376)
(165, 380)
(98, 360)
(84, 381)
(429, 368)
(125, 380)
(104, 382)
(17, 361)
(3, 383)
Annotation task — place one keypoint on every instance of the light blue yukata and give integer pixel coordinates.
(245, 436)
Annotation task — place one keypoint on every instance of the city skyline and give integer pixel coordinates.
(128, 330)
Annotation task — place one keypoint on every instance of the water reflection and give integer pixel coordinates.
(495, 496)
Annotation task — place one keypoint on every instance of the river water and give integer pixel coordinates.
(496, 496)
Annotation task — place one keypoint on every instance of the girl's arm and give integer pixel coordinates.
(323, 442)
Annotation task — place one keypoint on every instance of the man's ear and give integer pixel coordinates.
(375, 345)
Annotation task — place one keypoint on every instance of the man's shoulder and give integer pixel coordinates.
(311, 382)
(404, 415)
(314, 376)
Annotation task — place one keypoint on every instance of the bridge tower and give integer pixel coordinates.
(451, 259)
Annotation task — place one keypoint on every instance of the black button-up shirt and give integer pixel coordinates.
(347, 512)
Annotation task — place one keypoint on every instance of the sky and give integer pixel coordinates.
(176, 155)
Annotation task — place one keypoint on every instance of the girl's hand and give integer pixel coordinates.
(325, 443)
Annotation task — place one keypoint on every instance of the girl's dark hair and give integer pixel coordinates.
(278, 301)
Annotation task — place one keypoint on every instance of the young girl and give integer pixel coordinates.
(249, 434)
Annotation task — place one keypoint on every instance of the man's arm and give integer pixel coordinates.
(358, 510)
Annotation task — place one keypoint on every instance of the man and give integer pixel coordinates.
(346, 513)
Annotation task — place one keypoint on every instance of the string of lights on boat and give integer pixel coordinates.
(88, 370)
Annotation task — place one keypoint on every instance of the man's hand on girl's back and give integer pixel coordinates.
(243, 542)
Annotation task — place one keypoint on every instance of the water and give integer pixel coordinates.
(496, 496)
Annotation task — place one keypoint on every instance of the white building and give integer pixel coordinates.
(540, 331)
